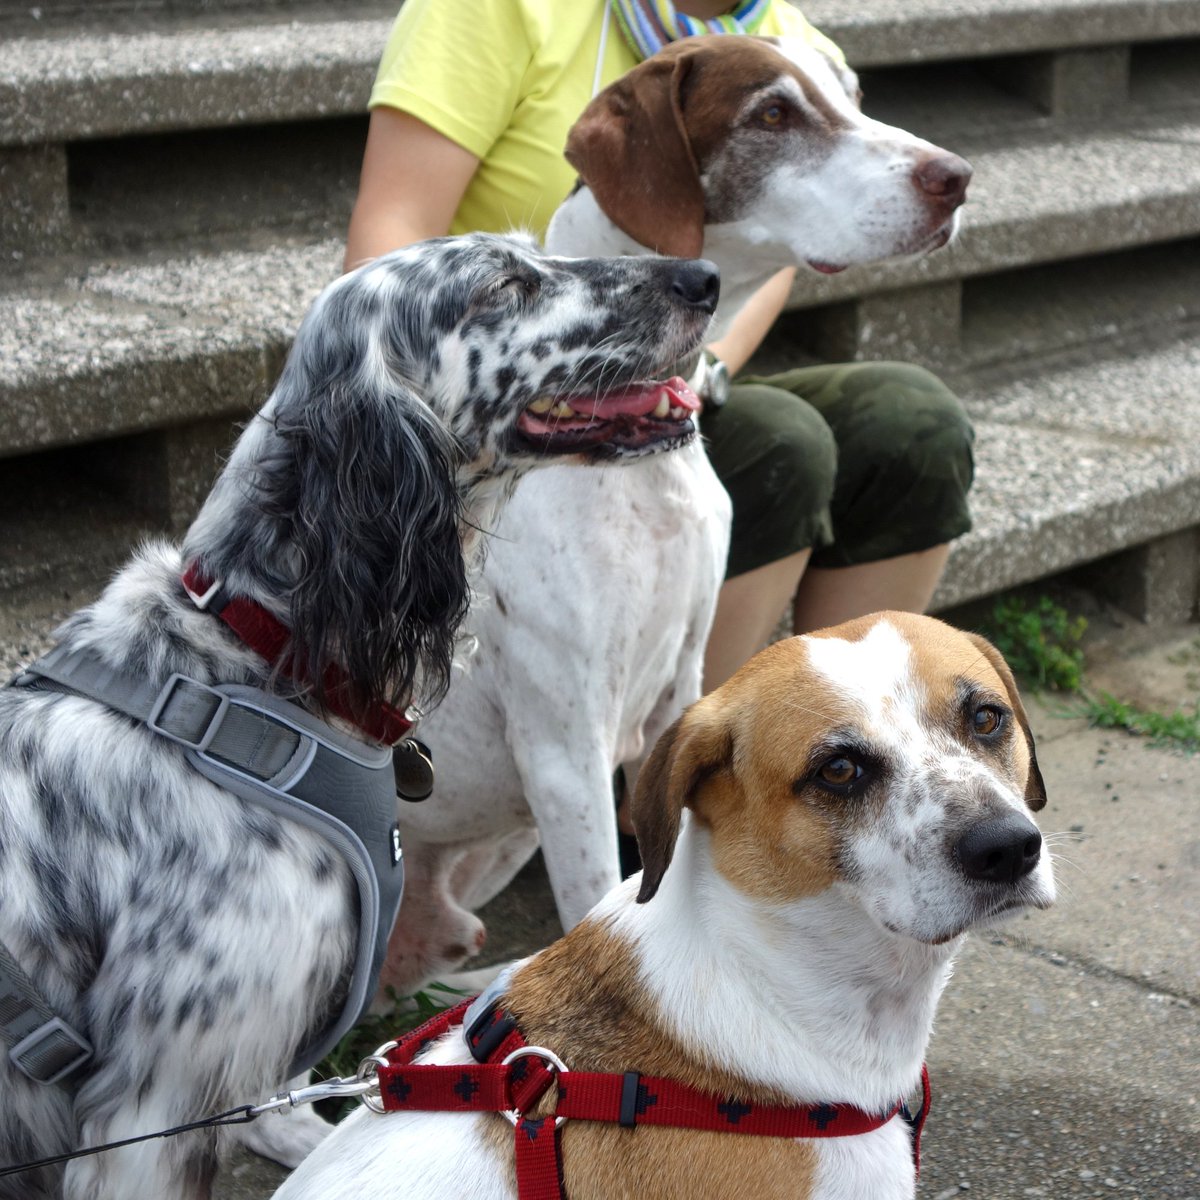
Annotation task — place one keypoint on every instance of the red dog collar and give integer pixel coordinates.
(509, 1077)
(269, 638)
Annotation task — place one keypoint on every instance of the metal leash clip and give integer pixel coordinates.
(361, 1084)
(327, 1089)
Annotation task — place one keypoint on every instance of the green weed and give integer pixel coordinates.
(1179, 730)
(1040, 642)
(1041, 639)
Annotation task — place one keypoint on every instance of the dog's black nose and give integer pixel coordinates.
(697, 283)
(1001, 850)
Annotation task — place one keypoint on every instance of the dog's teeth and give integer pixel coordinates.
(562, 409)
(663, 407)
(678, 413)
(543, 404)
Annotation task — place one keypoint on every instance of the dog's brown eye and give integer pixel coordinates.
(773, 114)
(840, 772)
(987, 720)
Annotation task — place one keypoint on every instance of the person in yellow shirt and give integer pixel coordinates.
(848, 482)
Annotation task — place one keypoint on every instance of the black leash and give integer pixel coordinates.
(234, 1116)
(360, 1085)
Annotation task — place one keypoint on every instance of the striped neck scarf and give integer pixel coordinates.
(648, 25)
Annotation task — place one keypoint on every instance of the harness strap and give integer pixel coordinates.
(539, 1159)
(509, 1077)
(273, 754)
(41, 1044)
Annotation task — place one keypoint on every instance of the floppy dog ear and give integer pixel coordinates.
(366, 488)
(631, 148)
(689, 751)
(1035, 788)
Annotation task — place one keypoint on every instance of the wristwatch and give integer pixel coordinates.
(710, 379)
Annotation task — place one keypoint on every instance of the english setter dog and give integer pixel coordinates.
(195, 939)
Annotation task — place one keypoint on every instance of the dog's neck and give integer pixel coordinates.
(811, 998)
(580, 229)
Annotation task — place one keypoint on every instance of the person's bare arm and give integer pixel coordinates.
(751, 325)
(412, 181)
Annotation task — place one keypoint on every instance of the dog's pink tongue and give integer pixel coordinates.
(639, 400)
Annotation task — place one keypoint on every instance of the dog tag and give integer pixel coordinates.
(413, 767)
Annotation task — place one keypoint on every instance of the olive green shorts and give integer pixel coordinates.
(860, 461)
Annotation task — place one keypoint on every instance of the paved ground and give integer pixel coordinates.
(1066, 1059)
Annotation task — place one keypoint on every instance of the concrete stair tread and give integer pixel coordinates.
(877, 32)
(121, 349)
(1076, 464)
(1056, 199)
(185, 74)
(1138, 297)
(236, 68)
(1071, 466)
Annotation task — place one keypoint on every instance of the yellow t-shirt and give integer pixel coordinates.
(506, 79)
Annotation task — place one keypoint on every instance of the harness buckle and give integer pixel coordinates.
(51, 1052)
(212, 700)
(516, 1116)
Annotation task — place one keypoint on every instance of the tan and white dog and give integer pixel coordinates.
(819, 834)
(598, 590)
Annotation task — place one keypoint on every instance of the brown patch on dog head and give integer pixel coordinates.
(643, 142)
(631, 148)
(735, 759)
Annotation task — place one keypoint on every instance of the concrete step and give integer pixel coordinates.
(124, 349)
(1073, 466)
(237, 115)
(181, 72)
(264, 62)
(90, 350)
(1079, 464)
(875, 32)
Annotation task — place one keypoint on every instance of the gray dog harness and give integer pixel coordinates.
(272, 753)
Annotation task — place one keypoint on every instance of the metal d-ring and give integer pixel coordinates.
(516, 1115)
(368, 1071)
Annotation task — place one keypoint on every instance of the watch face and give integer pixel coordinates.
(717, 383)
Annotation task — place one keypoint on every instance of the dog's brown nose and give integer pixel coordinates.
(945, 176)
(1001, 850)
(697, 282)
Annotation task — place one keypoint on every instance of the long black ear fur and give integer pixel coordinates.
(373, 510)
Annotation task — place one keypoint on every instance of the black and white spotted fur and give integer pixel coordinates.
(197, 940)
